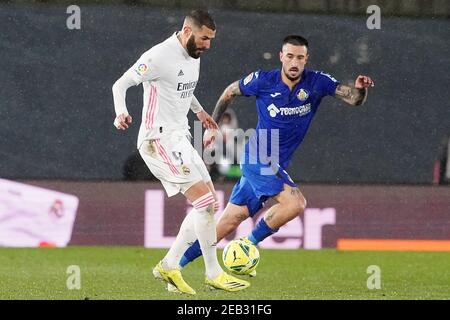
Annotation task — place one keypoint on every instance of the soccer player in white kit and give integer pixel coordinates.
(169, 73)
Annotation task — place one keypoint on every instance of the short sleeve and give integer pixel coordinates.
(145, 69)
(249, 85)
(326, 84)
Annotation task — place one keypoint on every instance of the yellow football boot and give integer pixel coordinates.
(173, 278)
(226, 282)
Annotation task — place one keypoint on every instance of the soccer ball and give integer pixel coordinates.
(240, 257)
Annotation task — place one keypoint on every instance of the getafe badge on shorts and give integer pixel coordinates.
(185, 169)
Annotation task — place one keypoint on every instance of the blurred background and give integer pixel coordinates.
(378, 165)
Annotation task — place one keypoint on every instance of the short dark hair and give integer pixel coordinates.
(295, 40)
(201, 18)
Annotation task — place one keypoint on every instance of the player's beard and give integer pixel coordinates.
(293, 78)
(192, 48)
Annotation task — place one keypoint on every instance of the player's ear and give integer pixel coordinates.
(281, 56)
(187, 30)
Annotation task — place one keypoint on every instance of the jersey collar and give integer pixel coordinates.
(281, 82)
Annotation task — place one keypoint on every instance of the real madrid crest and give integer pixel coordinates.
(302, 95)
(185, 169)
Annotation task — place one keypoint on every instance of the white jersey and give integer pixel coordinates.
(169, 77)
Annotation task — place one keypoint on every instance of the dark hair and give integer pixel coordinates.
(295, 40)
(201, 18)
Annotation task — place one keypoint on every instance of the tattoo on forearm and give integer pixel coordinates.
(351, 95)
(225, 99)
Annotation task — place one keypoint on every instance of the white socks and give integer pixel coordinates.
(198, 224)
(186, 236)
(205, 229)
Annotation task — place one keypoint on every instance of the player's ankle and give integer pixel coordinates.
(212, 274)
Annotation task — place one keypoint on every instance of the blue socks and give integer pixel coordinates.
(192, 253)
(260, 232)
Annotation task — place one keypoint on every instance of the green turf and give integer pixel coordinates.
(124, 273)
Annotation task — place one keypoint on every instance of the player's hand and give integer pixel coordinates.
(209, 137)
(364, 82)
(122, 121)
(207, 121)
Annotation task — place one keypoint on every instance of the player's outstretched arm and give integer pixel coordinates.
(202, 115)
(225, 99)
(221, 106)
(119, 89)
(354, 95)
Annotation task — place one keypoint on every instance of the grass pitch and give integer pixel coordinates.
(125, 273)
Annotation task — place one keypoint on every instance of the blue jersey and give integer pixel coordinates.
(280, 108)
(284, 114)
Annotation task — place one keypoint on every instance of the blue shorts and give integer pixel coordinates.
(254, 188)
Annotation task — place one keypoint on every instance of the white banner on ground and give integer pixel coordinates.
(31, 216)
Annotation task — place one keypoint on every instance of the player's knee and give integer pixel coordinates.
(228, 228)
(296, 207)
(230, 223)
(303, 205)
(233, 222)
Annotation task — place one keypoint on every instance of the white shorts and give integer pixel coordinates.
(174, 161)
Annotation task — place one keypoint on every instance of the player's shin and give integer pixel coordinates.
(205, 229)
(185, 237)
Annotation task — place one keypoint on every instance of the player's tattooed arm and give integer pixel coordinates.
(221, 106)
(225, 99)
(354, 95)
(351, 95)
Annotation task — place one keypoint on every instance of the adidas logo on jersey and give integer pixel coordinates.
(180, 73)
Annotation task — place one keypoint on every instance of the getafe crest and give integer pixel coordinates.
(302, 95)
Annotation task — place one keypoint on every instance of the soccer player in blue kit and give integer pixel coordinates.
(286, 101)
